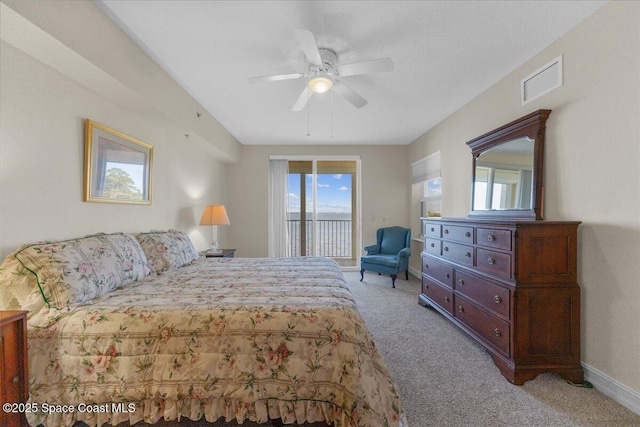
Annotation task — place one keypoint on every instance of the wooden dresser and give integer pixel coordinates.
(13, 366)
(512, 286)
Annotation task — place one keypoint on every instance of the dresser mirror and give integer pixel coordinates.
(507, 174)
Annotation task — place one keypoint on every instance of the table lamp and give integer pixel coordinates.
(214, 215)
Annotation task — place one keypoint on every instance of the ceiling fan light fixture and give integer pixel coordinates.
(320, 84)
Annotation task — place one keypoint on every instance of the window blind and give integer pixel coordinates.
(426, 169)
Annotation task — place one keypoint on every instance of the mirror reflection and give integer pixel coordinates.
(504, 176)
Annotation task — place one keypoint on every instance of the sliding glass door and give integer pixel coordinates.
(322, 209)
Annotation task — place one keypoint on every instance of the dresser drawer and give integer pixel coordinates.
(486, 294)
(438, 271)
(432, 246)
(485, 324)
(456, 252)
(439, 294)
(432, 230)
(458, 233)
(490, 238)
(494, 262)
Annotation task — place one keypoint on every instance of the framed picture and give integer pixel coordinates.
(117, 167)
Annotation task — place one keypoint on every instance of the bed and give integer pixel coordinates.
(129, 328)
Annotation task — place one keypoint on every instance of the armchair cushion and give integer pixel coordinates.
(383, 260)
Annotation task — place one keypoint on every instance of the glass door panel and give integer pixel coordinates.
(323, 209)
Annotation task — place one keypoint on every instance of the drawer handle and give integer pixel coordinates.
(497, 299)
(433, 245)
(491, 237)
(446, 231)
(497, 332)
(446, 275)
(446, 249)
(491, 260)
(467, 254)
(446, 299)
(426, 266)
(460, 282)
(433, 229)
(16, 379)
(467, 234)
(461, 309)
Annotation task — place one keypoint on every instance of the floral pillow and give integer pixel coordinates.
(166, 250)
(72, 271)
(18, 286)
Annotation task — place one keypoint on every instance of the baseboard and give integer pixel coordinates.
(612, 388)
(415, 272)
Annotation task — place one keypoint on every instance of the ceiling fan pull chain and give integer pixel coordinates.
(308, 115)
(331, 114)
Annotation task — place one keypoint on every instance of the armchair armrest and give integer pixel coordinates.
(404, 253)
(372, 249)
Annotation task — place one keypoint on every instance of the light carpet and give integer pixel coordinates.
(447, 379)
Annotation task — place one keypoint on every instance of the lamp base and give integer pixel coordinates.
(214, 243)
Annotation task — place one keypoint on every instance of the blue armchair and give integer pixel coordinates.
(390, 255)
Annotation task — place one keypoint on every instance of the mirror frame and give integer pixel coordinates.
(98, 135)
(531, 126)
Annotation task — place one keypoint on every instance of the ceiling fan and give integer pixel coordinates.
(324, 72)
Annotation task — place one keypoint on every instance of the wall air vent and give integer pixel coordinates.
(542, 81)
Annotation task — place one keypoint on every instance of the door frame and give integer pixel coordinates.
(357, 227)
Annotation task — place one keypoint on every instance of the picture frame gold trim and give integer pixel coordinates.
(117, 167)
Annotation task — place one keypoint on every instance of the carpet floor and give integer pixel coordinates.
(446, 379)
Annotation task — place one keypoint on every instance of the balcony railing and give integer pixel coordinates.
(333, 238)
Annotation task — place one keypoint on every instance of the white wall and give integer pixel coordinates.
(41, 164)
(385, 193)
(47, 90)
(78, 39)
(592, 172)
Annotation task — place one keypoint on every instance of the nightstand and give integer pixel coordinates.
(14, 363)
(226, 253)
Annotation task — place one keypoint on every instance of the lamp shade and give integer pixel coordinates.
(320, 84)
(214, 215)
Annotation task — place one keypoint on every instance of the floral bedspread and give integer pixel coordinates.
(237, 338)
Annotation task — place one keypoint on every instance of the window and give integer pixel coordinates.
(432, 198)
(426, 191)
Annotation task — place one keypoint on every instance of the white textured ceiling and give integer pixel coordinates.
(445, 53)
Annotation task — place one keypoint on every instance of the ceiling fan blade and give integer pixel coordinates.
(309, 46)
(275, 77)
(365, 67)
(347, 93)
(302, 99)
